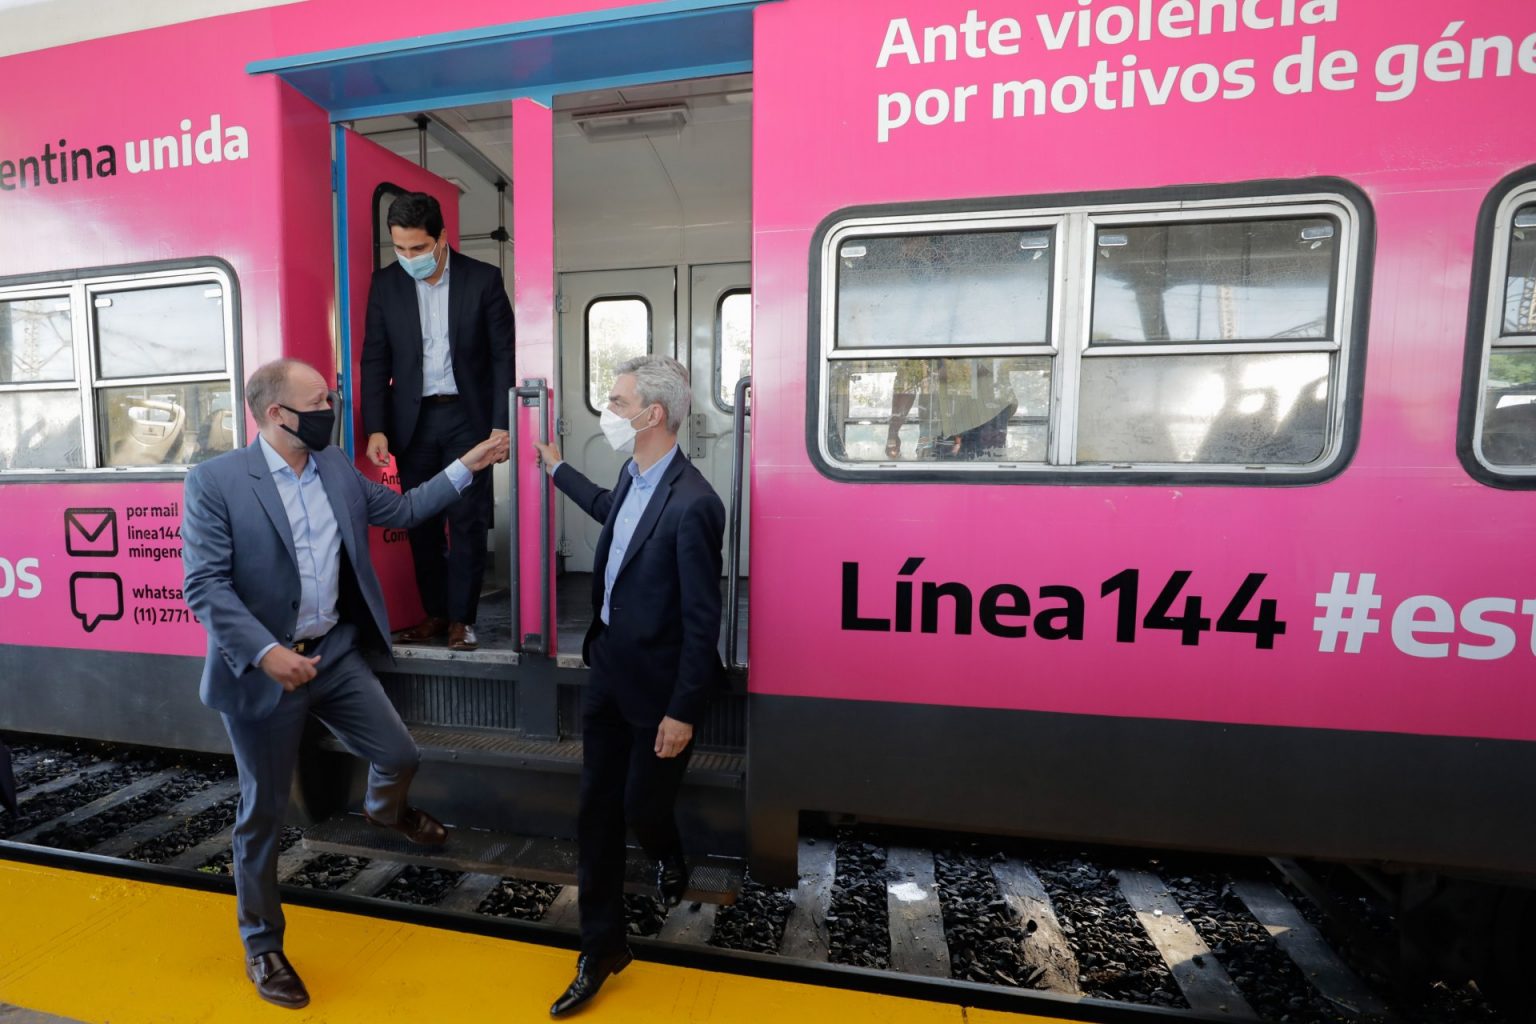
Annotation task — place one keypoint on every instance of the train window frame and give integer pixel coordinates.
(586, 338)
(1075, 220)
(719, 376)
(83, 286)
(1485, 329)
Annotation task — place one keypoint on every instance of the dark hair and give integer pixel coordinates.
(417, 210)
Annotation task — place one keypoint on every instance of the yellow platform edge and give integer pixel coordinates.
(112, 951)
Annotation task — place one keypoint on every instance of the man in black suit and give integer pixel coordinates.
(653, 651)
(437, 363)
(7, 780)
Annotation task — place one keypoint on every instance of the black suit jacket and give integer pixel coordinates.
(480, 334)
(664, 636)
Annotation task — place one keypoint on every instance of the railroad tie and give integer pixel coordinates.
(1308, 949)
(916, 921)
(293, 861)
(64, 781)
(563, 912)
(373, 879)
(195, 857)
(95, 807)
(160, 824)
(1205, 983)
(689, 924)
(1044, 949)
(805, 931)
(470, 891)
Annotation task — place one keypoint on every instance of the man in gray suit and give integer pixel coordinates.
(275, 546)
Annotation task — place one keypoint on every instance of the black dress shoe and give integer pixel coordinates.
(671, 880)
(416, 825)
(276, 981)
(591, 972)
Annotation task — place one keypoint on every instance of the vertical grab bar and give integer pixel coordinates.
(531, 392)
(733, 546)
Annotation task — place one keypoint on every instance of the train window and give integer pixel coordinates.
(36, 340)
(951, 289)
(40, 430)
(1507, 413)
(733, 344)
(154, 331)
(1208, 337)
(1221, 281)
(617, 329)
(109, 370)
(942, 410)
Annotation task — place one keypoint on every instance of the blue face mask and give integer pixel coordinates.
(420, 267)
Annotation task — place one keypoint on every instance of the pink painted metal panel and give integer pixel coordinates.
(1404, 510)
(533, 226)
(369, 166)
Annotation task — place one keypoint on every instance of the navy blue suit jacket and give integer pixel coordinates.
(480, 335)
(665, 630)
(242, 577)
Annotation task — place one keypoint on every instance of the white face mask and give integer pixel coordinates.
(621, 432)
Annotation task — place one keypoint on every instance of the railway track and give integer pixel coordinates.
(984, 921)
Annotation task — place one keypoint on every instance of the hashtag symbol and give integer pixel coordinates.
(1347, 611)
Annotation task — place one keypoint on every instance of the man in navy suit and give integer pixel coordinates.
(653, 648)
(437, 364)
(275, 549)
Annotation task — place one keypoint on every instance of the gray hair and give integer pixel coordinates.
(661, 380)
(267, 384)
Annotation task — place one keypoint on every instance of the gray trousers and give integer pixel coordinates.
(347, 698)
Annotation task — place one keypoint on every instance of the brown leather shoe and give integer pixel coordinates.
(276, 981)
(428, 629)
(462, 637)
(416, 825)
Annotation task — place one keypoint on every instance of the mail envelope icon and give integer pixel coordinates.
(90, 532)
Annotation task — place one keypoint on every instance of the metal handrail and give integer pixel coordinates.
(533, 392)
(733, 547)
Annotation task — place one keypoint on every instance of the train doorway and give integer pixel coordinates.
(652, 249)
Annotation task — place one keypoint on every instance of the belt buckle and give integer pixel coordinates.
(305, 646)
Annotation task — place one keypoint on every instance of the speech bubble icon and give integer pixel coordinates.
(95, 597)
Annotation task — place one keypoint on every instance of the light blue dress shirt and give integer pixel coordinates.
(436, 354)
(641, 487)
(317, 540)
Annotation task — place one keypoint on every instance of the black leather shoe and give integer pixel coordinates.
(416, 825)
(591, 972)
(671, 880)
(276, 981)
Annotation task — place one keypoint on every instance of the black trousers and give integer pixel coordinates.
(622, 782)
(449, 548)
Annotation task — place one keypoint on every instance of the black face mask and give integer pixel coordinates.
(315, 428)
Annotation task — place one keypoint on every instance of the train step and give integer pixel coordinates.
(711, 880)
(498, 749)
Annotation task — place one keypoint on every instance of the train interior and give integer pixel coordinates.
(652, 249)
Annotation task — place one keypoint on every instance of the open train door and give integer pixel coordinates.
(368, 178)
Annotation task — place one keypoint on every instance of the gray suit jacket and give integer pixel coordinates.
(242, 576)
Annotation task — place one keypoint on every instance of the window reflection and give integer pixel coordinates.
(941, 409)
(165, 424)
(1520, 287)
(1509, 408)
(1231, 281)
(1269, 409)
(40, 430)
(157, 331)
(970, 288)
(36, 340)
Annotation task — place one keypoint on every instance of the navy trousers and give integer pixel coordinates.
(348, 700)
(448, 549)
(623, 782)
